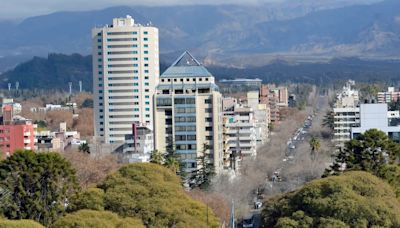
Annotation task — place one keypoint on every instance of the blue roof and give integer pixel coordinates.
(186, 66)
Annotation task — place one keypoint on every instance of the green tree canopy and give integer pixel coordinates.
(95, 219)
(370, 152)
(23, 223)
(39, 185)
(354, 199)
(92, 198)
(154, 194)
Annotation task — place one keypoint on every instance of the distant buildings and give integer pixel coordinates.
(125, 74)
(240, 84)
(389, 96)
(188, 113)
(59, 140)
(276, 98)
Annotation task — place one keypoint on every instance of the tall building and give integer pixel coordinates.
(125, 74)
(188, 113)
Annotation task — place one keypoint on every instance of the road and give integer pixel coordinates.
(295, 167)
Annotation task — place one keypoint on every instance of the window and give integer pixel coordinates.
(146, 71)
(146, 65)
(208, 101)
(147, 115)
(147, 109)
(208, 128)
(147, 96)
(146, 52)
(146, 45)
(147, 102)
(191, 137)
(145, 39)
(208, 110)
(145, 32)
(209, 119)
(146, 58)
(147, 77)
(179, 101)
(146, 90)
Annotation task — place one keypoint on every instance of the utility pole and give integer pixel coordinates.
(232, 222)
(80, 86)
(70, 88)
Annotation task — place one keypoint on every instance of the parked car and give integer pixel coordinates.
(257, 205)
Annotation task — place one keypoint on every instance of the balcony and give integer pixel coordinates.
(27, 133)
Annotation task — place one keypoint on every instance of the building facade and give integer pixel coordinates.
(125, 74)
(139, 144)
(389, 96)
(377, 116)
(188, 113)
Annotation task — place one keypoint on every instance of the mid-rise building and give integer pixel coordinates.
(16, 133)
(377, 116)
(125, 74)
(188, 113)
(261, 116)
(389, 96)
(138, 145)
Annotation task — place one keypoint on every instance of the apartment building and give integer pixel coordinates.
(377, 116)
(125, 74)
(261, 116)
(346, 114)
(16, 133)
(139, 144)
(188, 113)
(389, 96)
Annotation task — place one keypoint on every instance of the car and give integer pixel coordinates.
(248, 222)
(292, 146)
(257, 205)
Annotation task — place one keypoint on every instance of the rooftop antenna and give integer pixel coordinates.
(9, 86)
(80, 86)
(17, 86)
(70, 88)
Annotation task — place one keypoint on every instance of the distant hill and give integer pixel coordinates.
(227, 34)
(53, 72)
(57, 70)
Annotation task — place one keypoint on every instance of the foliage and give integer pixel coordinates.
(328, 120)
(94, 219)
(370, 152)
(84, 147)
(53, 72)
(315, 146)
(92, 198)
(19, 224)
(354, 199)
(391, 173)
(157, 157)
(202, 176)
(154, 194)
(87, 103)
(91, 170)
(39, 184)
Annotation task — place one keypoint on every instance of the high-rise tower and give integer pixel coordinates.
(125, 74)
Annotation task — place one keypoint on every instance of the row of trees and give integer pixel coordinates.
(44, 187)
(360, 189)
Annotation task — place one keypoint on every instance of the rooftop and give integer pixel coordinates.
(186, 66)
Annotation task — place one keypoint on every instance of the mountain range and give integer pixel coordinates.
(230, 35)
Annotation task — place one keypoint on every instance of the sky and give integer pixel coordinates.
(17, 9)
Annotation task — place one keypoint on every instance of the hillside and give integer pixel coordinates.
(57, 70)
(225, 33)
(53, 72)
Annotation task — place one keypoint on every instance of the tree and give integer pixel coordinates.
(370, 152)
(154, 194)
(202, 176)
(87, 103)
(91, 170)
(328, 120)
(354, 199)
(92, 198)
(157, 157)
(40, 184)
(315, 146)
(84, 147)
(90, 218)
(23, 223)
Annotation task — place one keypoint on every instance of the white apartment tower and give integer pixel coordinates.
(125, 74)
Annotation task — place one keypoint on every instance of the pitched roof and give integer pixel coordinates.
(186, 66)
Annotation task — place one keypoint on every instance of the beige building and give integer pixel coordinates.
(188, 113)
(125, 73)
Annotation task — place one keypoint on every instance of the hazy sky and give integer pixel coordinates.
(12, 9)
